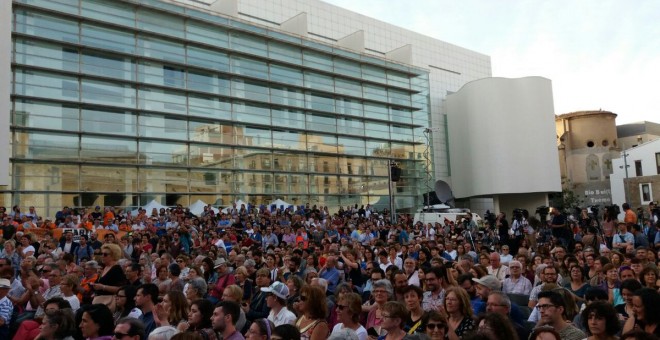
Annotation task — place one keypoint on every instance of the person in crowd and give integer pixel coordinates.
(258, 307)
(577, 285)
(199, 320)
(276, 296)
(516, 283)
(312, 324)
(172, 310)
(394, 317)
(243, 280)
(552, 307)
(412, 297)
(499, 303)
(96, 322)
(125, 303)
(68, 287)
(129, 328)
(646, 312)
(163, 333)
(261, 329)
(195, 289)
(628, 289)
(349, 308)
(435, 293)
(224, 319)
(112, 276)
(545, 333)
(600, 320)
(235, 293)
(458, 308)
(649, 277)
(57, 325)
(286, 332)
(497, 326)
(225, 278)
(382, 292)
(146, 299)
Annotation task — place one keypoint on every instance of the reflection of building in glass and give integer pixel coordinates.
(115, 103)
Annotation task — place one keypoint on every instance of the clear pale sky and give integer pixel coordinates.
(599, 54)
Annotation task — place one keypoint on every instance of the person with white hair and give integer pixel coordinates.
(516, 283)
(163, 333)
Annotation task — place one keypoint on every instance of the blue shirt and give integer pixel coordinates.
(332, 276)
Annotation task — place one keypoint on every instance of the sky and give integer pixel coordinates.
(599, 54)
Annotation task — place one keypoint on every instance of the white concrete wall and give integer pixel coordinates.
(5, 89)
(644, 152)
(502, 137)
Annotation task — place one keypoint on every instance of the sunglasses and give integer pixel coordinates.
(435, 325)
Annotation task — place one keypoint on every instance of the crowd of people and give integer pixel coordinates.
(303, 272)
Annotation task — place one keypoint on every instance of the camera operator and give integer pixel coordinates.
(502, 228)
(519, 226)
(609, 224)
(585, 220)
(559, 229)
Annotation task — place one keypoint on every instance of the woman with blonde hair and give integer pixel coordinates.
(112, 277)
(349, 308)
(69, 288)
(312, 324)
(458, 308)
(234, 293)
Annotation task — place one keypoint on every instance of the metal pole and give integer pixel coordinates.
(625, 166)
(389, 187)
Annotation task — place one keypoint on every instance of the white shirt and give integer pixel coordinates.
(500, 273)
(361, 332)
(520, 286)
(505, 259)
(284, 317)
(73, 301)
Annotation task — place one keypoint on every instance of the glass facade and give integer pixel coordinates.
(121, 102)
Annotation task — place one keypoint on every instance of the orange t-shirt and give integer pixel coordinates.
(108, 217)
(630, 218)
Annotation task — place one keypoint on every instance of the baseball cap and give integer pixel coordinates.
(489, 281)
(219, 262)
(4, 283)
(278, 289)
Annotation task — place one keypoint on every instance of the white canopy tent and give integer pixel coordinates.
(197, 208)
(150, 206)
(278, 203)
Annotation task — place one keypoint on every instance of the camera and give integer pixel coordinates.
(613, 210)
(490, 218)
(593, 209)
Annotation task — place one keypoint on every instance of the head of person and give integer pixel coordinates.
(487, 284)
(199, 316)
(544, 333)
(457, 301)
(225, 314)
(97, 320)
(130, 329)
(276, 294)
(498, 302)
(313, 302)
(285, 332)
(233, 293)
(550, 274)
(163, 333)
(147, 295)
(197, 288)
(394, 316)
(412, 297)
(435, 325)
(497, 325)
(57, 324)
(551, 307)
(646, 306)
(600, 319)
(261, 329)
(596, 294)
(382, 291)
(434, 278)
(349, 308)
(175, 303)
(110, 253)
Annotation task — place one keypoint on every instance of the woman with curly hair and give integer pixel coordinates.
(601, 321)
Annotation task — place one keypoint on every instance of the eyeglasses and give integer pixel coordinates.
(118, 335)
(435, 325)
(543, 307)
(341, 307)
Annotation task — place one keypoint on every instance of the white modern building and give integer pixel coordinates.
(502, 142)
(636, 176)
